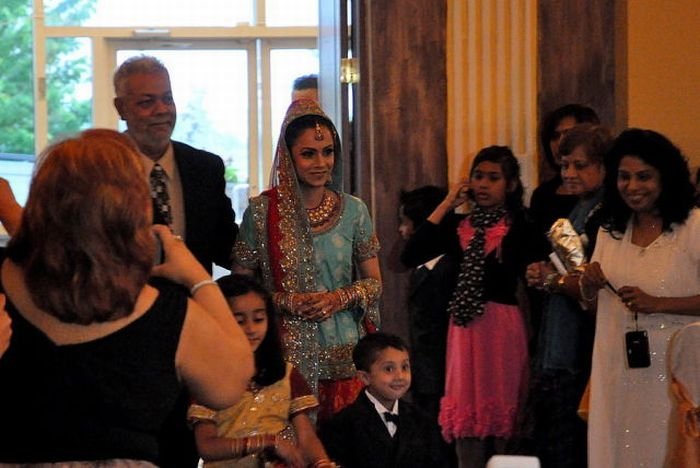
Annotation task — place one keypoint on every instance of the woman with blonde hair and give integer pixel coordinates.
(98, 355)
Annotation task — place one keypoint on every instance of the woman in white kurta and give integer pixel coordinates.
(649, 248)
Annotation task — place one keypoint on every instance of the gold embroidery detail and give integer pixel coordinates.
(302, 404)
(336, 362)
(367, 250)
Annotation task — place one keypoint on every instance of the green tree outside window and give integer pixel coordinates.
(68, 114)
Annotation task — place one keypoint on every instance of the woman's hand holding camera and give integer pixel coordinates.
(179, 265)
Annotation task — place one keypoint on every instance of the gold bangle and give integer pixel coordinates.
(290, 303)
(234, 447)
(248, 445)
(285, 301)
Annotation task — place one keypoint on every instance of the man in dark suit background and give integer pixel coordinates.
(201, 211)
(191, 199)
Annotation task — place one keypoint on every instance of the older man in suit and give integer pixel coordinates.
(188, 184)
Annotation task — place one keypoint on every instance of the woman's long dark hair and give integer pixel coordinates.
(580, 114)
(677, 192)
(269, 360)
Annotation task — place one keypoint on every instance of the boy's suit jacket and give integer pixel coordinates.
(356, 437)
(429, 294)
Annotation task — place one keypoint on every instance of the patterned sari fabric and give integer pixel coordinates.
(267, 410)
(276, 240)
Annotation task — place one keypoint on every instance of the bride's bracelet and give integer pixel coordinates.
(284, 301)
(359, 293)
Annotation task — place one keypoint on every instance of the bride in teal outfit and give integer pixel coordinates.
(315, 248)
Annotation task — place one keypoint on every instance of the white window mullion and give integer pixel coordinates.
(103, 65)
(41, 124)
(256, 175)
(267, 139)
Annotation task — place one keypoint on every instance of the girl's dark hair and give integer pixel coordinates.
(297, 126)
(503, 156)
(269, 359)
(677, 192)
(417, 204)
(581, 114)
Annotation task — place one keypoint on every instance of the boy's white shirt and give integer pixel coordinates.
(430, 264)
(390, 426)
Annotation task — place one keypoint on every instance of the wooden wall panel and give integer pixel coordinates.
(400, 121)
(400, 104)
(492, 81)
(576, 49)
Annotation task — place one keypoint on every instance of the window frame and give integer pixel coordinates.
(258, 40)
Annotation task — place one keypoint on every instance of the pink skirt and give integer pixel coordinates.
(486, 374)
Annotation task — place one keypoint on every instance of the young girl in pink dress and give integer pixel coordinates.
(487, 357)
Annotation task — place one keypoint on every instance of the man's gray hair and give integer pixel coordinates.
(134, 65)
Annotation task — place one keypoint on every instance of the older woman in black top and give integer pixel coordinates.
(551, 200)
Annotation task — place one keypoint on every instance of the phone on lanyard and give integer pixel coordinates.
(637, 343)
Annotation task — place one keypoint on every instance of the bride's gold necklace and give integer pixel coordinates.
(324, 212)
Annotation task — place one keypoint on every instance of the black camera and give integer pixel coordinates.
(159, 255)
(637, 343)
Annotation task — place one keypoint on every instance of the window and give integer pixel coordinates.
(232, 63)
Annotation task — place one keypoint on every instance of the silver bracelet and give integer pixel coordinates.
(582, 291)
(201, 284)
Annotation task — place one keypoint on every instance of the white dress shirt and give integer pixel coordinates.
(390, 426)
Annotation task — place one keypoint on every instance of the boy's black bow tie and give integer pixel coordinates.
(391, 417)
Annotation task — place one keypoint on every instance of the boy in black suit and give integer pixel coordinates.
(430, 290)
(379, 429)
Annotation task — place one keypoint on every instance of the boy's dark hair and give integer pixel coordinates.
(417, 204)
(269, 359)
(368, 348)
(305, 82)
